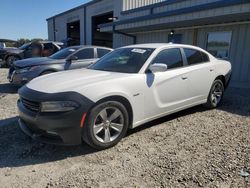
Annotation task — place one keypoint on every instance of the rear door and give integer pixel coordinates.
(201, 73)
(85, 56)
(167, 91)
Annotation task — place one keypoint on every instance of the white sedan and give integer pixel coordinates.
(126, 88)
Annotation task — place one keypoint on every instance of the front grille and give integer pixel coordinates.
(31, 105)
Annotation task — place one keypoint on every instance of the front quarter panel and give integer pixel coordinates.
(132, 88)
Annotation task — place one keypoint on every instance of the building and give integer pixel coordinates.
(220, 26)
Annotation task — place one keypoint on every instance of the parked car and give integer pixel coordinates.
(69, 58)
(34, 49)
(126, 88)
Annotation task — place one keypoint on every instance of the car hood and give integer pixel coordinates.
(37, 61)
(7, 50)
(73, 80)
(13, 50)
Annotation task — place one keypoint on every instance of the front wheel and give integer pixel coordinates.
(107, 124)
(215, 95)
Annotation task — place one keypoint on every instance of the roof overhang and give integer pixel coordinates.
(136, 24)
(187, 23)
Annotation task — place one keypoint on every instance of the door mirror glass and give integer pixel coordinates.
(159, 67)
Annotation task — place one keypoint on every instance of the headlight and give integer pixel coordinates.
(58, 106)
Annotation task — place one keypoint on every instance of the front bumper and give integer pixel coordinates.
(61, 128)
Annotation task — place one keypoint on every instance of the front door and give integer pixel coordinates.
(167, 91)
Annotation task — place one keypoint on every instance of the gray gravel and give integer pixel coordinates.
(193, 148)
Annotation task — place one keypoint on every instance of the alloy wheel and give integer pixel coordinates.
(108, 124)
(217, 93)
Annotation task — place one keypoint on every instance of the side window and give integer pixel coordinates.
(101, 52)
(171, 57)
(193, 56)
(87, 53)
(205, 57)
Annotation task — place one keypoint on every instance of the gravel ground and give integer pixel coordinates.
(193, 148)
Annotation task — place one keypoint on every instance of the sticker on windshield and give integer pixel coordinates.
(141, 51)
(72, 50)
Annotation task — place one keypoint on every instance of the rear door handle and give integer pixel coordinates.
(212, 69)
(184, 77)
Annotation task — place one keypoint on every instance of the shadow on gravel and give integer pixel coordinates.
(17, 149)
(8, 88)
(236, 101)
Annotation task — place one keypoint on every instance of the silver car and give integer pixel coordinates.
(73, 57)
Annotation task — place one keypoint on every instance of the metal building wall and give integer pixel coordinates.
(61, 25)
(131, 4)
(95, 9)
(239, 51)
(50, 30)
(189, 16)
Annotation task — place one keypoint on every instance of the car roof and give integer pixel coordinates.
(89, 46)
(45, 42)
(160, 45)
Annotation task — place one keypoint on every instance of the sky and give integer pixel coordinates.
(27, 18)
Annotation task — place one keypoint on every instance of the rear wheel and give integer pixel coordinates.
(216, 94)
(107, 124)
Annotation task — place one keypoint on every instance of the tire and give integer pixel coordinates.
(10, 60)
(104, 131)
(215, 95)
(46, 72)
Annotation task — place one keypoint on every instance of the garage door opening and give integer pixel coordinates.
(73, 29)
(102, 38)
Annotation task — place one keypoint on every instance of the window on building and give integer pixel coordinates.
(218, 44)
(101, 52)
(193, 56)
(171, 57)
(87, 53)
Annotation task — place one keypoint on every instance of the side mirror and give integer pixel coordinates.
(159, 67)
(72, 58)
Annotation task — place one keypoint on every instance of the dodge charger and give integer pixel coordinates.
(124, 89)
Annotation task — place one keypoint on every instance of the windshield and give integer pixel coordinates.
(124, 60)
(64, 53)
(24, 46)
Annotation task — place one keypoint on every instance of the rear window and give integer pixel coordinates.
(193, 56)
(205, 57)
(101, 52)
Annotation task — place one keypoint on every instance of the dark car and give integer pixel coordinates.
(28, 50)
(73, 57)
